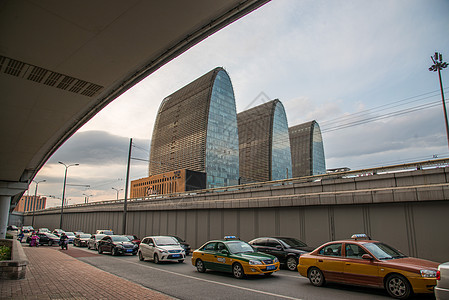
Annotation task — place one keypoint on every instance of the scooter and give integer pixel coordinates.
(64, 244)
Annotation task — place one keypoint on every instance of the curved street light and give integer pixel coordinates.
(35, 199)
(438, 65)
(63, 190)
(117, 190)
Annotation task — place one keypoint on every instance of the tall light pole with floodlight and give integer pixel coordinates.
(438, 64)
(117, 190)
(63, 190)
(35, 199)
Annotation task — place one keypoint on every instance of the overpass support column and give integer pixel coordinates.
(7, 190)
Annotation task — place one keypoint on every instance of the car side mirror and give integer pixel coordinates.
(224, 251)
(151, 244)
(367, 256)
(278, 247)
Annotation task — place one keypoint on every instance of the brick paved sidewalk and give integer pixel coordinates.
(52, 274)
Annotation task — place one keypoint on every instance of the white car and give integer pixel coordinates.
(442, 288)
(161, 248)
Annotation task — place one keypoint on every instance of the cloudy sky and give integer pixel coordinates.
(359, 68)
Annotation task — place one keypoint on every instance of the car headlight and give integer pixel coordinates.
(255, 262)
(428, 273)
(163, 251)
(135, 246)
(275, 260)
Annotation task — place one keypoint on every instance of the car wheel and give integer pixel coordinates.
(50, 243)
(292, 263)
(237, 271)
(141, 258)
(88, 246)
(156, 258)
(316, 277)
(398, 286)
(100, 251)
(200, 266)
(181, 261)
(114, 251)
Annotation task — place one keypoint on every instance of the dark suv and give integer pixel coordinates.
(286, 249)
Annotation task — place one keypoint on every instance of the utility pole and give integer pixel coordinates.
(126, 186)
(438, 64)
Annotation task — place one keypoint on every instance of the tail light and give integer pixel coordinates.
(438, 275)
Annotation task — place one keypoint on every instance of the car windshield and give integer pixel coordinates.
(382, 251)
(178, 239)
(165, 241)
(119, 238)
(99, 236)
(239, 247)
(292, 242)
(69, 234)
(51, 235)
(84, 236)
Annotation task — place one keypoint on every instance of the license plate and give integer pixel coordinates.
(130, 250)
(269, 268)
(176, 255)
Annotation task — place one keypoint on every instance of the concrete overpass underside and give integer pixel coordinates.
(406, 210)
(61, 62)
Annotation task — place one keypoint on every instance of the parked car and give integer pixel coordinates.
(70, 235)
(79, 232)
(44, 230)
(161, 248)
(12, 228)
(133, 239)
(27, 229)
(234, 256)
(58, 232)
(184, 245)
(117, 244)
(286, 249)
(105, 231)
(45, 238)
(92, 243)
(362, 261)
(442, 288)
(81, 240)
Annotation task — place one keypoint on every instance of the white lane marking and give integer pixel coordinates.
(219, 283)
(293, 276)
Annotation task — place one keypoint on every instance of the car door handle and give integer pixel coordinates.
(320, 260)
(348, 264)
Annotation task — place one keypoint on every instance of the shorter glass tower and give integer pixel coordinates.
(264, 143)
(307, 149)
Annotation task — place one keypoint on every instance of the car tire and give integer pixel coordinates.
(100, 251)
(135, 252)
(141, 258)
(156, 258)
(50, 243)
(88, 247)
(237, 271)
(114, 251)
(181, 261)
(316, 277)
(398, 286)
(292, 263)
(200, 266)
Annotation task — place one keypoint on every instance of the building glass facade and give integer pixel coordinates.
(307, 149)
(281, 162)
(196, 129)
(263, 143)
(222, 145)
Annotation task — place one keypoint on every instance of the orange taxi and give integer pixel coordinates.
(362, 261)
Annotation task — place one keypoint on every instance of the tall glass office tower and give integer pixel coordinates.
(264, 143)
(307, 149)
(196, 129)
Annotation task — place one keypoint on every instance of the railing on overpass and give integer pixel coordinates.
(429, 164)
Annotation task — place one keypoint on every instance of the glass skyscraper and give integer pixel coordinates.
(307, 149)
(196, 129)
(264, 143)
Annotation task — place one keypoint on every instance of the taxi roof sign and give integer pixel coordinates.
(230, 237)
(360, 236)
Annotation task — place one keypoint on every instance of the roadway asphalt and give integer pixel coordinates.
(58, 274)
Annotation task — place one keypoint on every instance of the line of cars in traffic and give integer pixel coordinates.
(357, 261)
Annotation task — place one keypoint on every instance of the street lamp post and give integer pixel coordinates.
(86, 198)
(63, 190)
(35, 199)
(117, 190)
(438, 64)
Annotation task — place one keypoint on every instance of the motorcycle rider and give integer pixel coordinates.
(64, 241)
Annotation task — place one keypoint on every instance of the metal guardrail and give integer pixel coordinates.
(429, 164)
